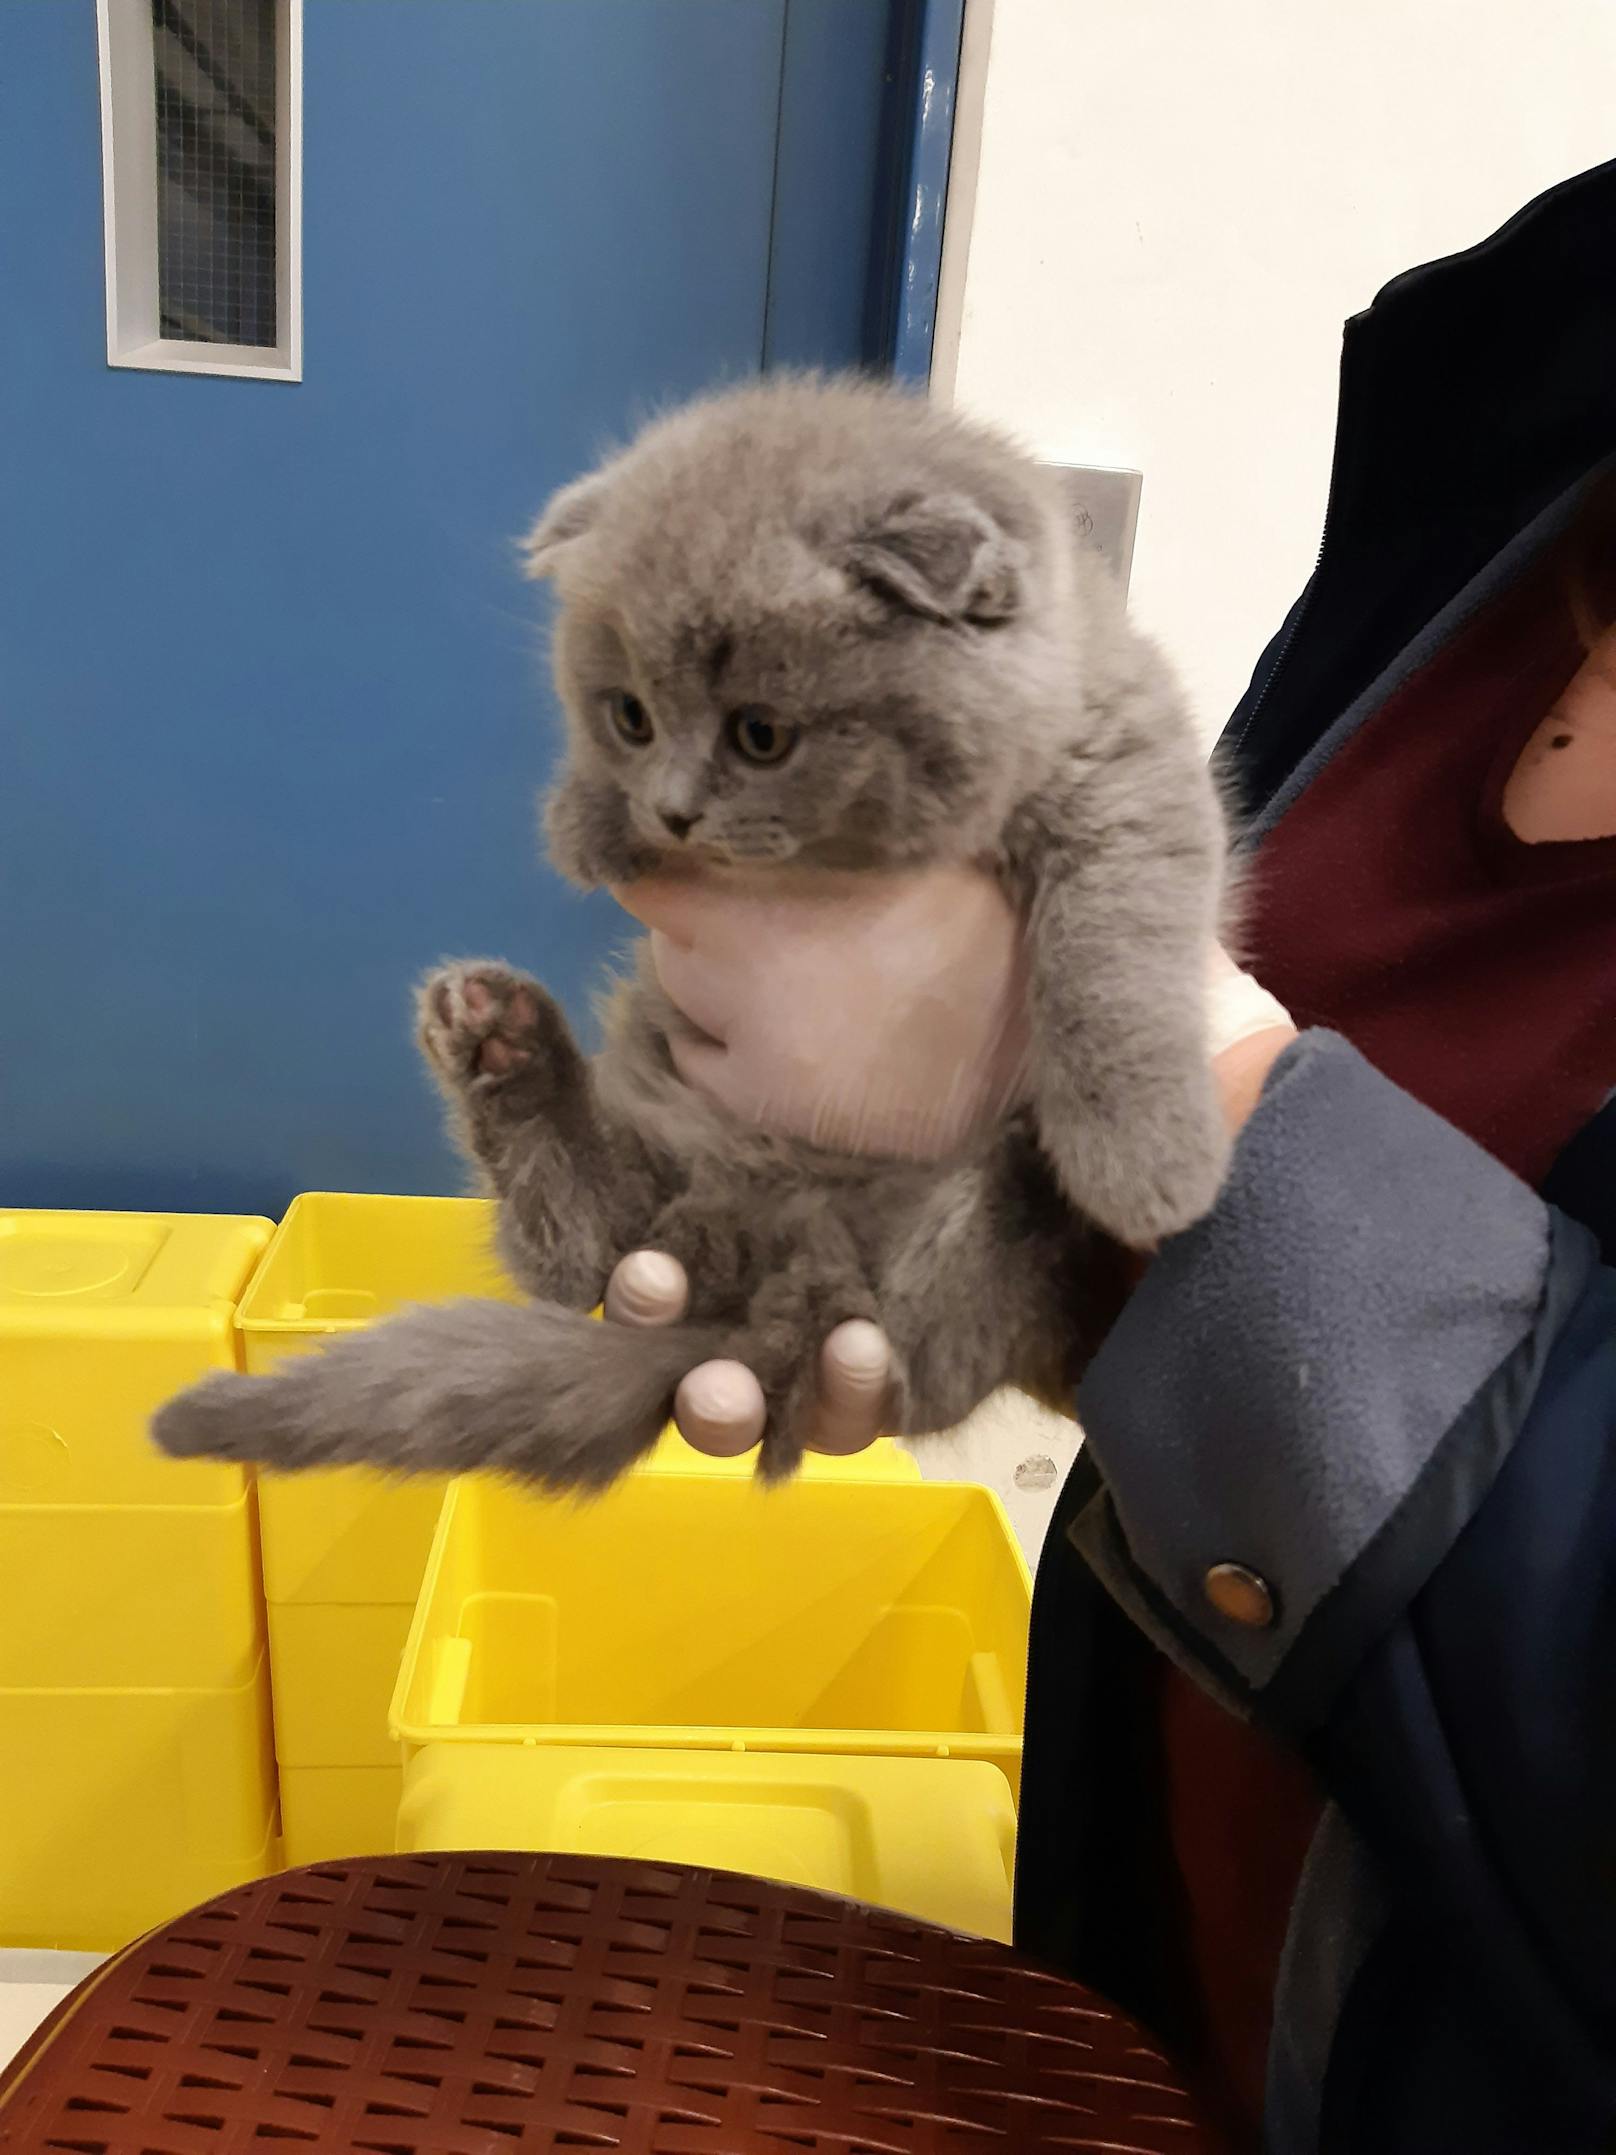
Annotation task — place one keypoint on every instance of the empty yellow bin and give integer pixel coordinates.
(929, 1837)
(699, 1612)
(136, 1767)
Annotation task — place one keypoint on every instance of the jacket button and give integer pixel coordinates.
(1243, 1596)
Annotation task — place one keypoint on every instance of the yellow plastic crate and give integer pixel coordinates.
(325, 1660)
(136, 1768)
(344, 1549)
(102, 1317)
(122, 1808)
(929, 1837)
(332, 1812)
(147, 1595)
(338, 1263)
(700, 1612)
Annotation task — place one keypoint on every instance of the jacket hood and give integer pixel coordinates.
(1475, 391)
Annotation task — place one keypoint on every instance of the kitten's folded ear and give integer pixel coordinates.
(565, 517)
(941, 556)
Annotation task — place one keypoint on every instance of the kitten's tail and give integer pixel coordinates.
(542, 1393)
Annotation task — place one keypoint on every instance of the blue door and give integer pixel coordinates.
(273, 704)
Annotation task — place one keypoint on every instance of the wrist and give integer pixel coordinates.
(1243, 1070)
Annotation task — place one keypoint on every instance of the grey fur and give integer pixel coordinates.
(905, 589)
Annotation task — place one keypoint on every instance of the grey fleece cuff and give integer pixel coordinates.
(1288, 1370)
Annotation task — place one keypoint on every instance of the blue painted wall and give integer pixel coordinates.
(273, 711)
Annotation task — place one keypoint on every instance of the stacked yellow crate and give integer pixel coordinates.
(136, 1767)
(344, 1550)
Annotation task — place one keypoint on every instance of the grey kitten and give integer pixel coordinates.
(823, 624)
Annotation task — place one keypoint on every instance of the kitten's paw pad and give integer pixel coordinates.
(481, 1021)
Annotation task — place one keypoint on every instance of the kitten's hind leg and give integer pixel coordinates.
(813, 1280)
(574, 1190)
(992, 1282)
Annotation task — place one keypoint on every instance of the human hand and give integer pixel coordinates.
(883, 1014)
(719, 1407)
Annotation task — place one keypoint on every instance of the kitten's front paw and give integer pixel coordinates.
(481, 1021)
(1152, 1179)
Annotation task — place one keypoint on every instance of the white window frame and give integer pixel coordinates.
(129, 201)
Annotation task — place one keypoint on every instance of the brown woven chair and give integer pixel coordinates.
(473, 2004)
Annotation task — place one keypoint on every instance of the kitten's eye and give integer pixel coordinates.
(631, 721)
(759, 736)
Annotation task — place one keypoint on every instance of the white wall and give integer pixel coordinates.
(1177, 203)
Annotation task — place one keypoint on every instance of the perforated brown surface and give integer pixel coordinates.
(463, 2004)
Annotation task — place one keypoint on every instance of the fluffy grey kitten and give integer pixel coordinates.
(816, 624)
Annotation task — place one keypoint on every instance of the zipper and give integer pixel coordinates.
(1304, 604)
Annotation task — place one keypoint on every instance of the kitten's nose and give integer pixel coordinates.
(681, 826)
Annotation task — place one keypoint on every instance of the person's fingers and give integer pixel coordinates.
(855, 1379)
(647, 1288)
(719, 1409)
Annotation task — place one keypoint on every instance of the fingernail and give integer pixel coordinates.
(859, 1355)
(648, 1288)
(719, 1407)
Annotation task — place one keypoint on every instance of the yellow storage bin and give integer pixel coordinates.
(699, 1612)
(929, 1837)
(145, 1595)
(338, 1263)
(136, 1765)
(344, 1549)
(331, 1812)
(122, 1808)
(102, 1317)
(335, 1669)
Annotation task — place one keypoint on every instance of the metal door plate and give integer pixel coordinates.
(1106, 505)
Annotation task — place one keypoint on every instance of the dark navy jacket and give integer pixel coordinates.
(1383, 1376)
